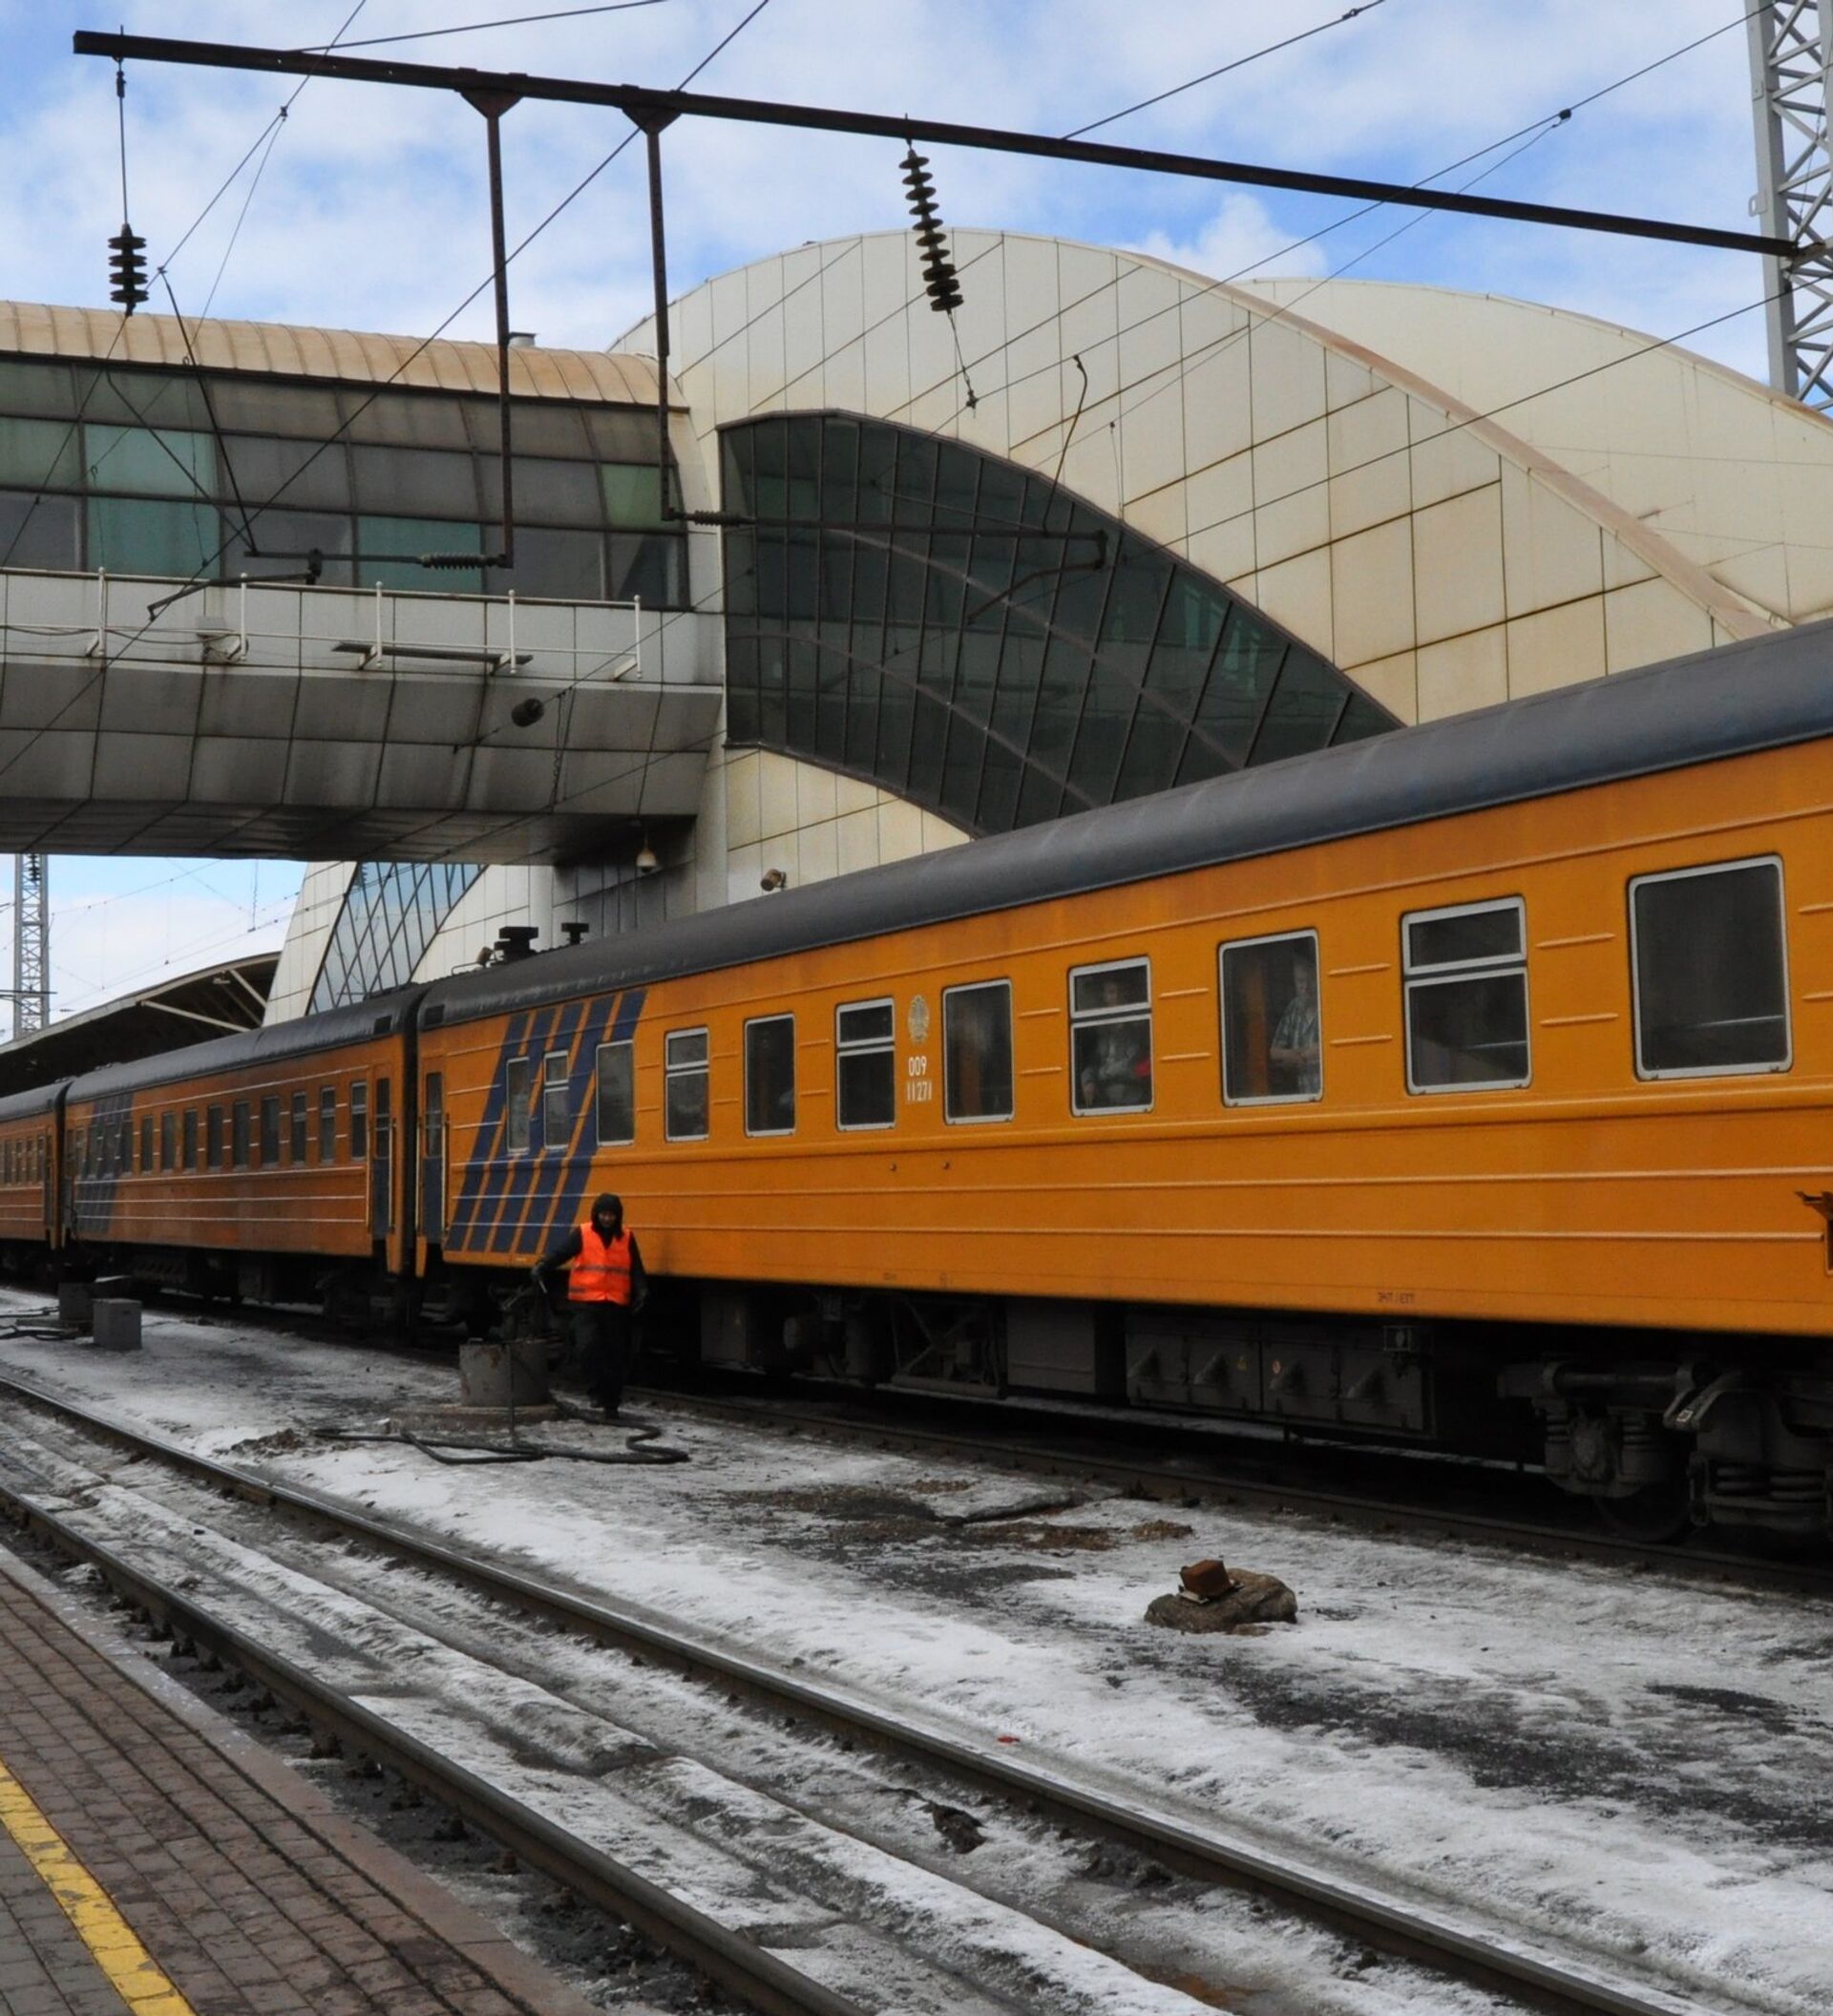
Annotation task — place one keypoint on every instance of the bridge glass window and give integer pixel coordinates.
(616, 1094)
(1111, 1021)
(1710, 959)
(557, 1101)
(176, 536)
(146, 1145)
(241, 1130)
(327, 1124)
(518, 1104)
(301, 1116)
(190, 1138)
(865, 1036)
(213, 1135)
(977, 1051)
(270, 1131)
(770, 1075)
(359, 1119)
(1466, 997)
(168, 1139)
(685, 1085)
(1271, 1048)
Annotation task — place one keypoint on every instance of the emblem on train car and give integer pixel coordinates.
(919, 1020)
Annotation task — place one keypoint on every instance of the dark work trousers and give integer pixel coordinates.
(602, 1343)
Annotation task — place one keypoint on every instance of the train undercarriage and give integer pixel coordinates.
(1660, 1432)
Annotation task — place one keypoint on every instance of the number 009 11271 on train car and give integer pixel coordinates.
(1471, 1086)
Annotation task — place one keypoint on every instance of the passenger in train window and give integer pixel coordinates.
(1293, 1050)
(1113, 1038)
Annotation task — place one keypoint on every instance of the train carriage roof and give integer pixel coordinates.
(33, 1104)
(381, 1015)
(1762, 693)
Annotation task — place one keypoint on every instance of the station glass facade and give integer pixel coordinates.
(390, 911)
(950, 627)
(119, 467)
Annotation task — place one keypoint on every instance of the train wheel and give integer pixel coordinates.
(1657, 1514)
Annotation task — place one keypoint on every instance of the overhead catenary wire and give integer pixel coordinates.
(1222, 70)
(476, 27)
(185, 237)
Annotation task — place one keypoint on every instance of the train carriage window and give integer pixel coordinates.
(190, 1133)
(1111, 1021)
(977, 1051)
(301, 1128)
(239, 1133)
(616, 1094)
(359, 1119)
(9, 1176)
(270, 1131)
(327, 1124)
(1271, 1048)
(213, 1137)
(1466, 997)
(865, 1039)
(519, 1099)
(168, 1139)
(770, 1075)
(557, 1101)
(146, 1145)
(1709, 962)
(685, 1095)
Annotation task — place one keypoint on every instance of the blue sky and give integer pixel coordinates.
(368, 210)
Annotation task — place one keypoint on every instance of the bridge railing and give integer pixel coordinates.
(135, 619)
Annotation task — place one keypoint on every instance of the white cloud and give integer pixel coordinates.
(1240, 241)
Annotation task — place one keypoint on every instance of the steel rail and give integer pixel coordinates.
(1171, 1484)
(651, 110)
(1413, 1932)
(733, 1961)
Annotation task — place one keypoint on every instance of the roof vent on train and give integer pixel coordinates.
(515, 941)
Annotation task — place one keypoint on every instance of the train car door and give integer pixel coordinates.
(433, 1159)
(382, 1163)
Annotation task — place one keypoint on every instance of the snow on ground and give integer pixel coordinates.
(1623, 1763)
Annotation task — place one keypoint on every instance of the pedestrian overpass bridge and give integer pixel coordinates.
(274, 720)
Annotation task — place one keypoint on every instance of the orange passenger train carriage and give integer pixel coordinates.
(262, 1164)
(29, 1161)
(1468, 1086)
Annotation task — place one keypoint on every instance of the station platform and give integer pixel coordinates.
(154, 1861)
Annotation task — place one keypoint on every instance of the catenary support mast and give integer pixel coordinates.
(1790, 43)
(30, 943)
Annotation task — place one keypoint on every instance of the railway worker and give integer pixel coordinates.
(605, 1287)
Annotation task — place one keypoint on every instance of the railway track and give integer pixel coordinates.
(1220, 1468)
(55, 1476)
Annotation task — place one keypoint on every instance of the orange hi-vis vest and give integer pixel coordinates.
(601, 1273)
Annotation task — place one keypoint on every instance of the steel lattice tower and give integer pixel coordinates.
(1790, 41)
(30, 943)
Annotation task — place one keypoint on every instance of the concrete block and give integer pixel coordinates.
(74, 1300)
(117, 1325)
(493, 1374)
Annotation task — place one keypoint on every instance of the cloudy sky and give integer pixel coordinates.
(367, 211)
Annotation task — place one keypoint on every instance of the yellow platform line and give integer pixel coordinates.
(130, 1970)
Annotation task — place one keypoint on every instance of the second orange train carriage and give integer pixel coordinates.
(1022, 1112)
